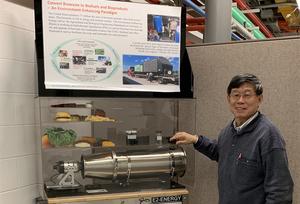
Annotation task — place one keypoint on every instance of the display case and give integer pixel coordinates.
(96, 149)
(146, 121)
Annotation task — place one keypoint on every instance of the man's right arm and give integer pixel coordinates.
(207, 147)
(202, 144)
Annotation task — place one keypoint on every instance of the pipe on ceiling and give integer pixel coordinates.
(242, 30)
(242, 19)
(235, 37)
(256, 21)
(154, 1)
(199, 28)
(194, 6)
(196, 20)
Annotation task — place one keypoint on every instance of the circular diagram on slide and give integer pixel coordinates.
(85, 60)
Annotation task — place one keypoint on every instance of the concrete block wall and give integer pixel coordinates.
(18, 122)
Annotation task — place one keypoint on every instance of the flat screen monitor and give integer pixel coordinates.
(106, 48)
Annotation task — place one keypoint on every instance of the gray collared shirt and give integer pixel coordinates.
(239, 128)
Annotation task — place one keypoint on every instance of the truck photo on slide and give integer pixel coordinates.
(150, 70)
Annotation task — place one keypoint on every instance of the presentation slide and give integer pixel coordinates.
(111, 45)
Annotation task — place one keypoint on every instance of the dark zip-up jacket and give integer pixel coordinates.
(253, 165)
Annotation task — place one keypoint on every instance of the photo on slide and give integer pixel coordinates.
(163, 28)
(150, 70)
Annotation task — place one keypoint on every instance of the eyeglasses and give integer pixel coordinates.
(246, 96)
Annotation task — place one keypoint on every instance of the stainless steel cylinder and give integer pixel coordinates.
(136, 164)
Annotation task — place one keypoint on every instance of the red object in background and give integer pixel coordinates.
(189, 42)
(199, 28)
(154, 1)
(130, 72)
(195, 20)
(284, 26)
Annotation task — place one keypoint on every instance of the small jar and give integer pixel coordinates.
(131, 137)
(159, 137)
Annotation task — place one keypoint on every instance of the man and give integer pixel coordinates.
(250, 151)
(172, 28)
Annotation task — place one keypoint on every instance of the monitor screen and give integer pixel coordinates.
(111, 48)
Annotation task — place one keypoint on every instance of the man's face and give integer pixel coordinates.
(243, 102)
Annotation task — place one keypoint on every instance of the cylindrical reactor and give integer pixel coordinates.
(135, 164)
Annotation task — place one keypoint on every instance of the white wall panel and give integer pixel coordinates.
(18, 87)
(20, 196)
(10, 15)
(18, 172)
(16, 76)
(24, 109)
(26, 140)
(6, 109)
(8, 174)
(17, 109)
(9, 141)
(18, 44)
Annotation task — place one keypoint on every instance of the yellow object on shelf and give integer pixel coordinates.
(97, 118)
(63, 116)
(108, 143)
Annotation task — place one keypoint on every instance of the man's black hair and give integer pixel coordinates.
(240, 79)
